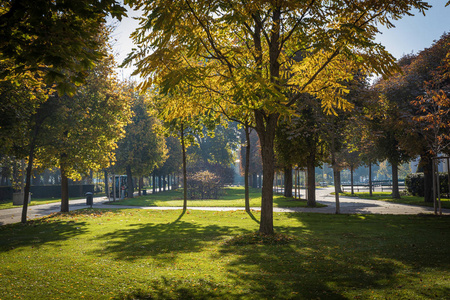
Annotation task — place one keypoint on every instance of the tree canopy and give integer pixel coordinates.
(58, 38)
(262, 56)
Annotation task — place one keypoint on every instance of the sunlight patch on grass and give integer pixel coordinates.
(233, 197)
(405, 199)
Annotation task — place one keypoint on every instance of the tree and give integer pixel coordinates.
(83, 132)
(57, 38)
(55, 41)
(243, 53)
(417, 92)
(143, 148)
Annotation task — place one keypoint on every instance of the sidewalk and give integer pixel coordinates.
(349, 205)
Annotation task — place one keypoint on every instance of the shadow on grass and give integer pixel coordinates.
(161, 241)
(252, 216)
(38, 232)
(169, 288)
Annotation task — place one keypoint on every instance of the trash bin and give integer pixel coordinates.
(144, 192)
(89, 199)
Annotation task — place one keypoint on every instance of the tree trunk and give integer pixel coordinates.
(335, 178)
(153, 183)
(183, 148)
(64, 190)
(141, 183)
(311, 179)
(370, 179)
(265, 127)
(114, 188)
(106, 184)
(395, 191)
(28, 183)
(336, 189)
(130, 182)
(338, 179)
(288, 181)
(427, 164)
(246, 168)
(351, 180)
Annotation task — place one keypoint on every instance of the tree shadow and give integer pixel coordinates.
(334, 254)
(252, 216)
(39, 232)
(168, 288)
(160, 241)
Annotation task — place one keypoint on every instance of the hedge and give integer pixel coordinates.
(415, 183)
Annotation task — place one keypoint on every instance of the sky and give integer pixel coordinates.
(410, 35)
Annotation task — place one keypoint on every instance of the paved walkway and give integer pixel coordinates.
(349, 205)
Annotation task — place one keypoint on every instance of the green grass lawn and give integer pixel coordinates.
(405, 199)
(146, 254)
(233, 197)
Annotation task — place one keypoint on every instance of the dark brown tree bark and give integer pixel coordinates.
(130, 184)
(370, 179)
(265, 127)
(106, 184)
(311, 178)
(141, 183)
(338, 180)
(183, 148)
(64, 189)
(351, 180)
(153, 183)
(336, 189)
(426, 163)
(246, 168)
(395, 190)
(288, 181)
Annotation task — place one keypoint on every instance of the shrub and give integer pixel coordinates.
(415, 183)
(204, 185)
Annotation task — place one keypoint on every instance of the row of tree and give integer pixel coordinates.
(396, 119)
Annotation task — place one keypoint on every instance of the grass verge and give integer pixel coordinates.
(144, 254)
(233, 197)
(405, 199)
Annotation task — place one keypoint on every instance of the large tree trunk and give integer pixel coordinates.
(183, 148)
(427, 164)
(265, 127)
(311, 179)
(288, 181)
(130, 182)
(395, 191)
(246, 168)
(64, 190)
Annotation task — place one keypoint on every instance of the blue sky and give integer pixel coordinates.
(410, 35)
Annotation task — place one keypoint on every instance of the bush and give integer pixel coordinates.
(415, 183)
(204, 185)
